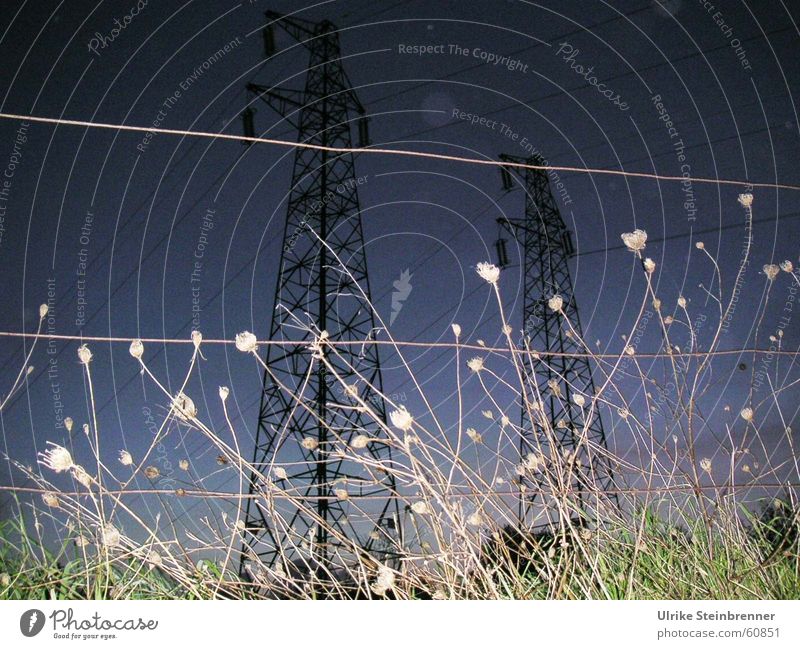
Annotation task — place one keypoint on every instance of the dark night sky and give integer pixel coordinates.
(147, 201)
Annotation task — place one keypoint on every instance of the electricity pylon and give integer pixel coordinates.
(560, 369)
(307, 418)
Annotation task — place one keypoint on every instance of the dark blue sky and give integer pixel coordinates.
(112, 221)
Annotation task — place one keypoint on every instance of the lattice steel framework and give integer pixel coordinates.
(547, 246)
(301, 399)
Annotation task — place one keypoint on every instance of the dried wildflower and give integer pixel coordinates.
(341, 494)
(184, 465)
(359, 441)
(787, 266)
(649, 265)
(197, 338)
(657, 304)
(280, 473)
(579, 400)
(223, 393)
(401, 419)
(125, 458)
(152, 473)
(474, 435)
(136, 349)
(50, 499)
(5, 580)
(504, 421)
(746, 200)
(456, 329)
(669, 320)
(57, 459)
(110, 536)
(309, 443)
(489, 272)
(384, 582)
(488, 414)
(43, 309)
(699, 245)
(624, 413)
(154, 559)
(747, 414)
(555, 303)
(184, 407)
(246, 342)
(555, 388)
(68, 423)
(84, 355)
(705, 465)
(533, 462)
(682, 302)
(475, 364)
(475, 519)
(81, 541)
(635, 241)
(420, 507)
(80, 474)
(771, 271)
(629, 350)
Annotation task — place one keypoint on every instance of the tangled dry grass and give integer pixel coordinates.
(683, 519)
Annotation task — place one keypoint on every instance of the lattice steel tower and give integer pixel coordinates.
(301, 400)
(547, 246)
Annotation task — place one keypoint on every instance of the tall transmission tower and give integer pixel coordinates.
(306, 418)
(547, 247)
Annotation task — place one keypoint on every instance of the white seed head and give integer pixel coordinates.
(579, 400)
(110, 536)
(682, 302)
(359, 441)
(475, 519)
(657, 304)
(705, 465)
(474, 435)
(136, 349)
(43, 309)
(384, 582)
(184, 407)
(223, 392)
(475, 364)
(629, 350)
(649, 265)
(456, 330)
(635, 241)
(489, 272)
(771, 271)
(555, 303)
(624, 413)
(746, 200)
(488, 414)
(154, 559)
(309, 443)
(699, 245)
(669, 320)
(246, 342)
(57, 459)
(197, 338)
(341, 494)
(420, 507)
(747, 414)
(152, 473)
(80, 474)
(84, 355)
(68, 423)
(507, 330)
(125, 458)
(184, 465)
(787, 266)
(50, 499)
(401, 419)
